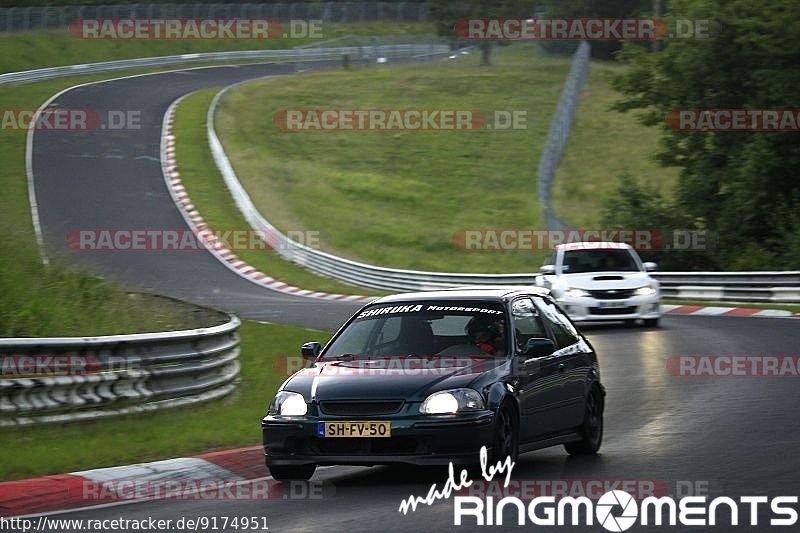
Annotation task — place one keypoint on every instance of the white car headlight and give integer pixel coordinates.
(288, 403)
(576, 293)
(452, 401)
(644, 291)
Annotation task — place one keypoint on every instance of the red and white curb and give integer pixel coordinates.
(195, 221)
(229, 474)
(697, 310)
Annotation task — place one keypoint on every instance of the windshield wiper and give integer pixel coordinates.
(343, 357)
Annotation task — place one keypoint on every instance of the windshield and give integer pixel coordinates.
(601, 260)
(441, 328)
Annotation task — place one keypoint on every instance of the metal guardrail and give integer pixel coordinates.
(26, 18)
(773, 287)
(389, 51)
(559, 131)
(98, 377)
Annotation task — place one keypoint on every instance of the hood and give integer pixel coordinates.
(409, 378)
(606, 280)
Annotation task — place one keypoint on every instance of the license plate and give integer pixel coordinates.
(354, 429)
(611, 304)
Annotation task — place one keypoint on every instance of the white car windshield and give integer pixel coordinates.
(425, 328)
(598, 260)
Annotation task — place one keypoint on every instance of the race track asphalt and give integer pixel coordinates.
(736, 436)
(731, 436)
(106, 179)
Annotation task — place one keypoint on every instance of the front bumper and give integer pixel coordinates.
(588, 308)
(419, 440)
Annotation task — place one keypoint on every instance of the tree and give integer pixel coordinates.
(741, 185)
(635, 206)
(446, 13)
(598, 9)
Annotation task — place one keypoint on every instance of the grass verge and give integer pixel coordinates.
(208, 192)
(227, 423)
(603, 145)
(397, 198)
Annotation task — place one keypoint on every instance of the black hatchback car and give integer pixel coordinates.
(428, 378)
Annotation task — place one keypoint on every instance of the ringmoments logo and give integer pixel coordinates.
(615, 510)
(618, 510)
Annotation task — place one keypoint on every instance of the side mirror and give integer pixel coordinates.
(649, 266)
(547, 270)
(538, 347)
(310, 350)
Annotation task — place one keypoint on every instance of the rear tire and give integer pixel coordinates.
(651, 322)
(591, 429)
(292, 472)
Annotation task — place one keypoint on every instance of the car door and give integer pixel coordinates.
(537, 377)
(573, 361)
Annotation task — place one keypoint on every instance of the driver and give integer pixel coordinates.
(486, 334)
(610, 263)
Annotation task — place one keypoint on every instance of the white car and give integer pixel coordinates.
(600, 281)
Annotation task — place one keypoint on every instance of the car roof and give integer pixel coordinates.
(488, 292)
(594, 245)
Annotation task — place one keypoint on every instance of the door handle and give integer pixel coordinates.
(562, 367)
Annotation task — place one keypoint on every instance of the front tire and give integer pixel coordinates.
(292, 472)
(591, 429)
(506, 436)
(651, 322)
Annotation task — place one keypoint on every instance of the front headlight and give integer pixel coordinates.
(576, 293)
(644, 291)
(288, 403)
(452, 401)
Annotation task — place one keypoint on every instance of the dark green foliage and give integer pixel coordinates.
(741, 185)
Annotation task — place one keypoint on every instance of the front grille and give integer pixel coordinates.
(612, 310)
(364, 446)
(612, 294)
(361, 408)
